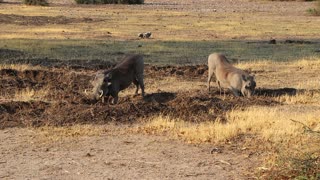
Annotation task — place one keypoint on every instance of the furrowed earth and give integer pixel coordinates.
(66, 103)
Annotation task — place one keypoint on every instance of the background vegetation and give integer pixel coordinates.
(36, 2)
(155, 52)
(109, 1)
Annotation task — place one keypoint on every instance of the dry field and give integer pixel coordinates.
(51, 130)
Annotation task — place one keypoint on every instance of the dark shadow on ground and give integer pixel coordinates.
(276, 92)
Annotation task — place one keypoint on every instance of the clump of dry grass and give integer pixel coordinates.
(20, 67)
(307, 97)
(53, 134)
(30, 94)
(190, 132)
(311, 62)
(269, 124)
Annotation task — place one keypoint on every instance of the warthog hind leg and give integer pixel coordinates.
(136, 82)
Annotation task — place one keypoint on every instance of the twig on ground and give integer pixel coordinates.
(306, 128)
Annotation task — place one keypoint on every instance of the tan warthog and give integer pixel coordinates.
(229, 76)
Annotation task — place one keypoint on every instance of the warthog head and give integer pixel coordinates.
(100, 86)
(249, 85)
(104, 88)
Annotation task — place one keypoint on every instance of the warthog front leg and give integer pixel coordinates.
(141, 83)
(115, 98)
(209, 79)
(235, 92)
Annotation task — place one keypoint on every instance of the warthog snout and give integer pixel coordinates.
(249, 85)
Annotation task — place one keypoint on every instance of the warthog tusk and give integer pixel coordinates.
(85, 91)
(101, 93)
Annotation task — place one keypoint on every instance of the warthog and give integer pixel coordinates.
(230, 77)
(111, 81)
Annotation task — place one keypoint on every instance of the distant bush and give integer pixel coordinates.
(315, 11)
(291, 0)
(109, 1)
(36, 2)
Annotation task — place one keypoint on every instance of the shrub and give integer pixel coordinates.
(315, 11)
(36, 2)
(109, 1)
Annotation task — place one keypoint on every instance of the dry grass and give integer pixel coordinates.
(266, 123)
(49, 134)
(29, 94)
(310, 62)
(307, 97)
(182, 24)
(190, 132)
(20, 67)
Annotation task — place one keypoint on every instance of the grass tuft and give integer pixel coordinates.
(307, 97)
(54, 134)
(30, 94)
(315, 11)
(20, 67)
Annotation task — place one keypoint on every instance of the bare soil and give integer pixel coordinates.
(118, 156)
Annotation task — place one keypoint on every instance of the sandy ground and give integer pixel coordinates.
(116, 156)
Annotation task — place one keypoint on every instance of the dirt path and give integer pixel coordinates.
(115, 156)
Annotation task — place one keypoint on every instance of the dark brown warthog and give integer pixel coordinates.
(230, 77)
(111, 81)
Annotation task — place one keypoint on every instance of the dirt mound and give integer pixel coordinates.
(195, 108)
(200, 71)
(60, 83)
(65, 103)
(18, 114)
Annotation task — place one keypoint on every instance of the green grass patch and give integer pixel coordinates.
(155, 52)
